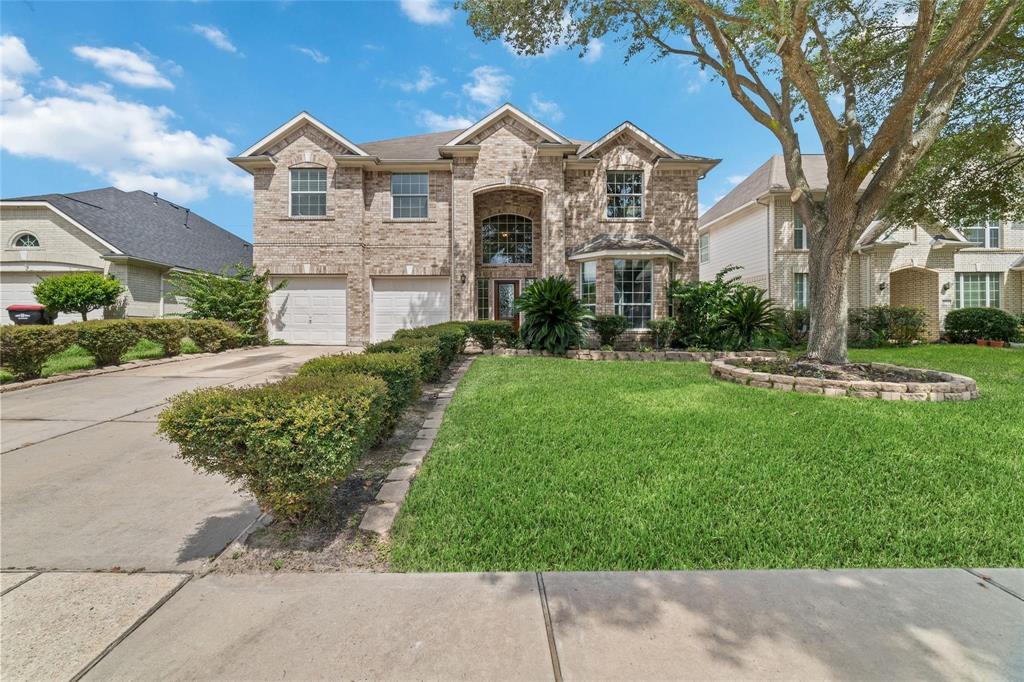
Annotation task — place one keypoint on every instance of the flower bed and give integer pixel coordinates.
(668, 355)
(870, 380)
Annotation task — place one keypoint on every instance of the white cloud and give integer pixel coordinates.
(128, 144)
(314, 54)
(124, 66)
(595, 48)
(15, 64)
(217, 37)
(426, 80)
(426, 11)
(490, 85)
(698, 82)
(735, 179)
(435, 122)
(545, 109)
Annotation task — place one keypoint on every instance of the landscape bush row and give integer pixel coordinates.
(25, 348)
(289, 443)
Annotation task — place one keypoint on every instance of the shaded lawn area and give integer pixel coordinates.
(550, 464)
(77, 358)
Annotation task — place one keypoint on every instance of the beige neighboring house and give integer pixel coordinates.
(377, 236)
(931, 267)
(135, 236)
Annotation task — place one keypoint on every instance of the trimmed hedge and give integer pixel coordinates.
(169, 333)
(400, 371)
(107, 340)
(451, 338)
(25, 348)
(287, 443)
(880, 325)
(489, 332)
(213, 336)
(967, 325)
(427, 351)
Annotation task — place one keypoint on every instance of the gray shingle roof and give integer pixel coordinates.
(623, 242)
(417, 147)
(769, 177)
(147, 228)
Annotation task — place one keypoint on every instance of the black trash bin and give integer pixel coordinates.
(29, 314)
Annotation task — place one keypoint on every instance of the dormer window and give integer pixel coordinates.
(625, 190)
(985, 234)
(26, 240)
(308, 192)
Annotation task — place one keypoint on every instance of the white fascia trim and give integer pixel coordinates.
(755, 202)
(65, 216)
(499, 112)
(302, 118)
(622, 253)
(45, 266)
(626, 125)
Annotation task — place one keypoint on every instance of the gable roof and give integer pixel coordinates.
(139, 225)
(504, 109)
(646, 138)
(301, 119)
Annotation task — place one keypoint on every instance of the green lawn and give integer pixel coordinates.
(77, 358)
(550, 464)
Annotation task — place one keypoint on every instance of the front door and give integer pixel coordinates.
(505, 295)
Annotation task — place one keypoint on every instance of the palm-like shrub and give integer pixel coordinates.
(552, 315)
(747, 315)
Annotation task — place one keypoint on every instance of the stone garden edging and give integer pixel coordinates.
(133, 364)
(381, 515)
(648, 356)
(953, 386)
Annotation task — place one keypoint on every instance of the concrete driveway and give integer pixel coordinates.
(87, 484)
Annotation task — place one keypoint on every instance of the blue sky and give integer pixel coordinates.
(154, 95)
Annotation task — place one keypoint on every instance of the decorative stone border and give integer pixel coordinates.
(380, 516)
(952, 387)
(133, 364)
(650, 356)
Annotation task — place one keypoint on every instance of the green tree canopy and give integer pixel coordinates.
(78, 292)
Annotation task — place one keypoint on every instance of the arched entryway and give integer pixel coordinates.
(917, 287)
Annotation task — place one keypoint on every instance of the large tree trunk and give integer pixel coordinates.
(829, 267)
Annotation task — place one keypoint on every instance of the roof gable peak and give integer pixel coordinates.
(301, 119)
(628, 126)
(510, 110)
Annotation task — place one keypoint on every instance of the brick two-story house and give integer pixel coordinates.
(933, 267)
(416, 230)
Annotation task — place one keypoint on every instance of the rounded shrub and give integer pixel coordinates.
(107, 340)
(25, 348)
(78, 292)
(967, 325)
(212, 336)
(169, 333)
(427, 351)
(400, 371)
(609, 328)
(451, 337)
(488, 333)
(287, 443)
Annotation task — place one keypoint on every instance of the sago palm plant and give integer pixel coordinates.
(552, 315)
(748, 314)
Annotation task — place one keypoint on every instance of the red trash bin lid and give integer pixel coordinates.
(25, 307)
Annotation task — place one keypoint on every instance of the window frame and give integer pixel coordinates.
(607, 194)
(425, 194)
(801, 291)
(292, 192)
(704, 248)
(521, 221)
(989, 228)
(801, 229)
(584, 282)
(618, 292)
(483, 298)
(989, 279)
(15, 245)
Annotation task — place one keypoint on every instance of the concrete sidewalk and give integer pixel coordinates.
(811, 624)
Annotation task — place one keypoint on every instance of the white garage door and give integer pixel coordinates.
(310, 310)
(16, 288)
(403, 302)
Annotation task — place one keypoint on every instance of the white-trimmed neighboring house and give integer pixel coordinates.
(135, 236)
(932, 267)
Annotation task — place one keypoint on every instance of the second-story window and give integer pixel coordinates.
(507, 240)
(625, 191)
(308, 192)
(799, 234)
(409, 193)
(985, 234)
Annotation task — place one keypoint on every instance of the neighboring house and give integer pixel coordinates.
(135, 236)
(416, 230)
(932, 267)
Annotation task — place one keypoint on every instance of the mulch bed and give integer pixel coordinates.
(848, 372)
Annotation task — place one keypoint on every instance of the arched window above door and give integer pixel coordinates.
(507, 239)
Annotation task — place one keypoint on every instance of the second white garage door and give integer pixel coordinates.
(310, 310)
(403, 302)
